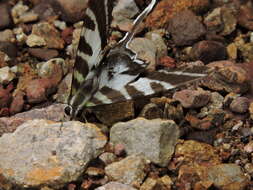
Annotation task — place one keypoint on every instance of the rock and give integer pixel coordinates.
(51, 67)
(107, 158)
(240, 105)
(193, 160)
(6, 75)
(156, 37)
(71, 11)
(48, 153)
(21, 37)
(94, 172)
(251, 110)
(7, 36)
(213, 20)
(221, 20)
(215, 117)
(163, 183)
(9, 48)
(185, 28)
(232, 51)
(249, 147)
(60, 24)
(50, 35)
(119, 150)
(194, 153)
(38, 90)
(67, 35)
(20, 13)
(64, 89)
(43, 54)
(35, 41)
(226, 76)
(192, 98)
(3, 59)
(246, 15)
(207, 136)
(115, 186)
(44, 10)
(53, 112)
(216, 101)
(151, 111)
(5, 96)
(227, 177)
(155, 139)
(174, 110)
(112, 113)
(229, 18)
(145, 49)
(249, 168)
(130, 170)
(208, 51)
(17, 103)
(5, 17)
(247, 51)
(165, 10)
(123, 13)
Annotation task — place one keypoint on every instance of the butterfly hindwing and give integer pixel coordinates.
(153, 83)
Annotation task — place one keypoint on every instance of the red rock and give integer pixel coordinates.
(167, 61)
(67, 35)
(44, 54)
(245, 17)
(227, 76)
(192, 98)
(38, 90)
(208, 51)
(71, 186)
(5, 96)
(71, 11)
(240, 105)
(166, 9)
(17, 103)
(186, 28)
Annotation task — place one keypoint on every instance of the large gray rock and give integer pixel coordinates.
(130, 170)
(45, 153)
(115, 186)
(155, 139)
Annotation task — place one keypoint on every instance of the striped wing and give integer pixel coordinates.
(93, 41)
(154, 83)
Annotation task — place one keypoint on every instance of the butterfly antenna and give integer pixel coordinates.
(129, 35)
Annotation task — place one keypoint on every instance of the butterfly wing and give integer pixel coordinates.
(154, 83)
(92, 42)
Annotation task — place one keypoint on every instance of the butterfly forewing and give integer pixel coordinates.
(92, 41)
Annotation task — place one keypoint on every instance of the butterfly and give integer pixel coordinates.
(107, 75)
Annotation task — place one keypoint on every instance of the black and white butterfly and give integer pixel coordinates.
(104, 75)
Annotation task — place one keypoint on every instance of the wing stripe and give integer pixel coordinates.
(99, 12)
(89, 23)
(84, 47)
